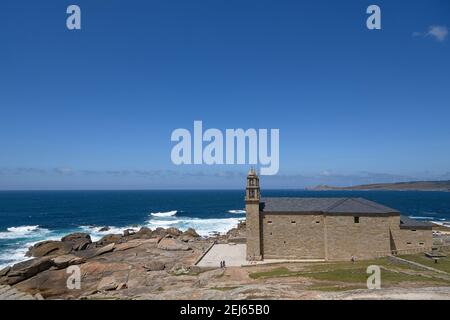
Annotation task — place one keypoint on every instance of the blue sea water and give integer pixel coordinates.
(27, 217)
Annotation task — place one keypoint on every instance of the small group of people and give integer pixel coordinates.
(222, 264)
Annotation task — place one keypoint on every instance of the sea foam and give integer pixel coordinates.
(23, 232)
(237, 211)
(164, 214)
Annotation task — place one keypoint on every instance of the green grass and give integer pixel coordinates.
(278, 272)
(443, 263)
(347, 275)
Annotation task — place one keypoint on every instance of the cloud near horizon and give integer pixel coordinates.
(439, 33)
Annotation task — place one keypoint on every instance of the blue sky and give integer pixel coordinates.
(95, 108)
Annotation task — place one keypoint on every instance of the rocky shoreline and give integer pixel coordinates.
(126, 265)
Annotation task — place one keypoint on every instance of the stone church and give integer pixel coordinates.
(331, 229)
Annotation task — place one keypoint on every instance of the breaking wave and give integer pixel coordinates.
(164, 214)
(204, 227)
(23, 232)
(237, 211)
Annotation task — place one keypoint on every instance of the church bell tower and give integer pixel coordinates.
(253, 218)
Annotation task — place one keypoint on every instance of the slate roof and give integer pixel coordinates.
(408, 223)
(324, 205)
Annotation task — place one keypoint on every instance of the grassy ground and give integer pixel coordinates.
(347, 275)
(443, 263)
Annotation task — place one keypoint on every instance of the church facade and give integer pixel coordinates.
(331, 229)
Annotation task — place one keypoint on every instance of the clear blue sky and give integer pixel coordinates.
(94, 109)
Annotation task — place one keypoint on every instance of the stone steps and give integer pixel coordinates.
(10, 293)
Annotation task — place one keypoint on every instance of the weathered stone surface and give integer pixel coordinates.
(4, 271)
(110, 238)
(159, 232)
(107, 283)
(76, 237)
(46, 248)
(79, 240)
(127, 245)
(128, 232)
(179, 269)
(66, 260)
(154, 266)
(105, 249)
(127, 268)
(191, 232)
(104, 229)
(173, 231)
(24, 270)
(172, 244)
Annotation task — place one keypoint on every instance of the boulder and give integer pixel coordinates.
(77, 236)
(128, 232)
(105, 249)
(66, 260)
(189, 235)
(173, 231)
(159, 232)
(172, 244)
(107, 283)
(104, 229)
(79, 240)
(179, 269)
(154, 266)
(27, 269)
(109, 238)
(4, 271)
(46, 248)
(191, 232)
(127, 245)
(143, 233)
(94, 252)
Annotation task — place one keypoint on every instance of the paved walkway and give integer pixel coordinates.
(234, 256)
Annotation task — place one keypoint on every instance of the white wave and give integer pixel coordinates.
(162, 223)
(204, 227)
(164, 214)
(422, 218)
(442, 223)
(23, 232)
(237, 211)
(97, 233)
(12, 256)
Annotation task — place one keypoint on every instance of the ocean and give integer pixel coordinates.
(27, 217)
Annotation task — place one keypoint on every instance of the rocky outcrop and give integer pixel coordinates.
(110, 238)
(61, 262)
(47, 248)
(69, 243)
(79, 241)
(143, 260)
(154, 266)
(24, 270)
(172, 244)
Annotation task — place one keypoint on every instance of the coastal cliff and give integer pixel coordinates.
(398, 186)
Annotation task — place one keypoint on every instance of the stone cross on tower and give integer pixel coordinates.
(253, 218)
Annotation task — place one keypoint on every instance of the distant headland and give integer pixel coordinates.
(443, 185)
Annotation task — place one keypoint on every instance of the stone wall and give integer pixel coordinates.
(330, 237)
(253, 231)
(409, 239)
(361, 236)
(293, 236)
